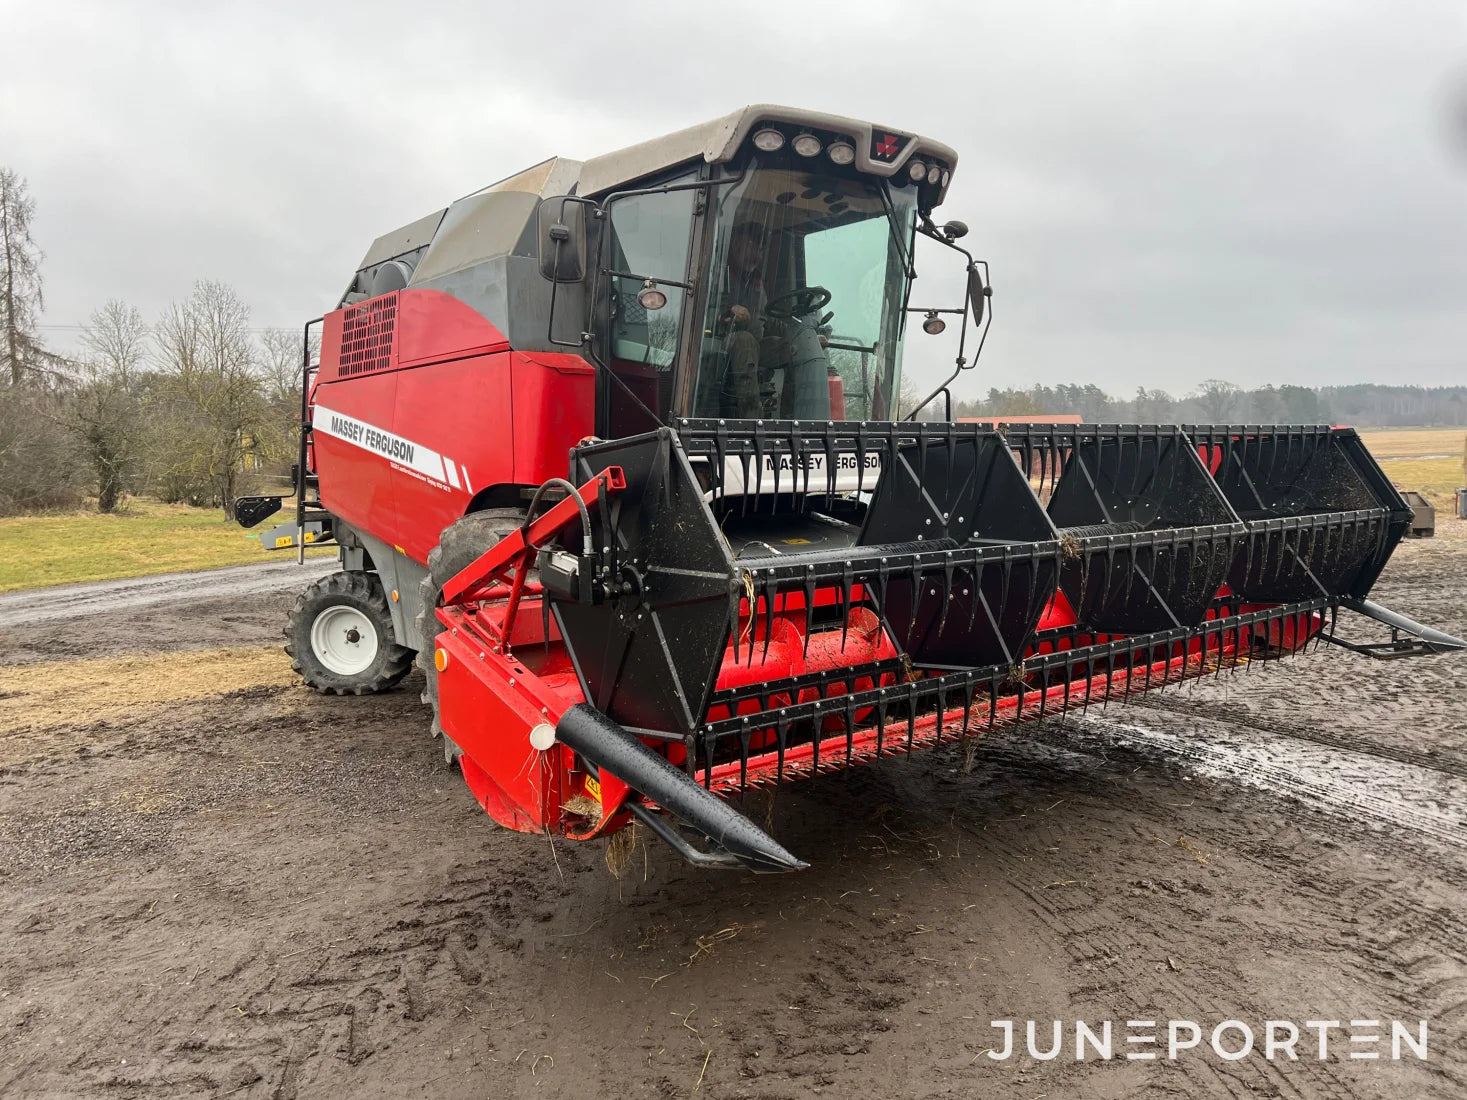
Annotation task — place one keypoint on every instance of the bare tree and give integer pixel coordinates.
(282, 371)
(1217, 398)
(106, 413)
(281, 368)
(20, 280)
(212, 408)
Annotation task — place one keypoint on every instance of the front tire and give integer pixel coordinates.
(340, 639)
(460, 544)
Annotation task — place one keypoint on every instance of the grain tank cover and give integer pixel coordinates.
(490, 223)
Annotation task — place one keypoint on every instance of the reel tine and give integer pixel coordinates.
(707, 763)
(1033, 578)
(744, 755)
(1172, 553)
(1008, 576)
(809, 594)
(1133, 566)
(775, 462)
(744, 494)
(770, 588)
(1085, 557)
(850, 717)
(947, 591)
(781, 737)
(911, 713)
(720, 457)
(860, 459)
(845, 604)
(969, 690)
(917, 583)
(759, 462)
(975, 594)
(797, 461)
(941, 706)
(951, 443)
(883, 576)
(828, 443)
(992, 699)
(734, 618)
(881, 706)
(817, 714)
(1110, 561)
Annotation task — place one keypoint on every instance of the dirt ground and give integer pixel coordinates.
(232, 887)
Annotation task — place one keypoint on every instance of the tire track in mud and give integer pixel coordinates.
(1345, 781)
(276, 1016)
(1122, 952)
(1415, 950)
(1199, 708)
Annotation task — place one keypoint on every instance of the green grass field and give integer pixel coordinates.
(1428, 460)
(148, 537)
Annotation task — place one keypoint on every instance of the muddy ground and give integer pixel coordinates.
(239, 888)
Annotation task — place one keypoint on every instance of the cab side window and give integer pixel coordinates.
(649, 237)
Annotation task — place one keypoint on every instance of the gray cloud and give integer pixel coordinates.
(1167, 192)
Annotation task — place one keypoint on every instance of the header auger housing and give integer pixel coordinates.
(554, 431)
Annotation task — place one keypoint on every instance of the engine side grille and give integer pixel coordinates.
(367, 333)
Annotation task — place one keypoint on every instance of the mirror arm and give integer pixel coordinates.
(657, 279)
(929, 230)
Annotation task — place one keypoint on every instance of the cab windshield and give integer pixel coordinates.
(807, 280)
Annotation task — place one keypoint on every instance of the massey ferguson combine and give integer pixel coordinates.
(613, 447)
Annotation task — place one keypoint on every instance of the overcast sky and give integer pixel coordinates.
(1167, 192)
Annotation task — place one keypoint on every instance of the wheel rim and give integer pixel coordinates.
(344, 640)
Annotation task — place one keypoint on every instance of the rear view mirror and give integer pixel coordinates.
(978, 293)
(562, 235)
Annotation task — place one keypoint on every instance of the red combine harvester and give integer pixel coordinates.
(611, 446)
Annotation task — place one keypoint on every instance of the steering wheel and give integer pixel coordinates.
(798, 303)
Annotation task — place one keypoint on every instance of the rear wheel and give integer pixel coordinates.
(340, 639)
(458, 546)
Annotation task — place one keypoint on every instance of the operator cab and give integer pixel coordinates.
(767, 283)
